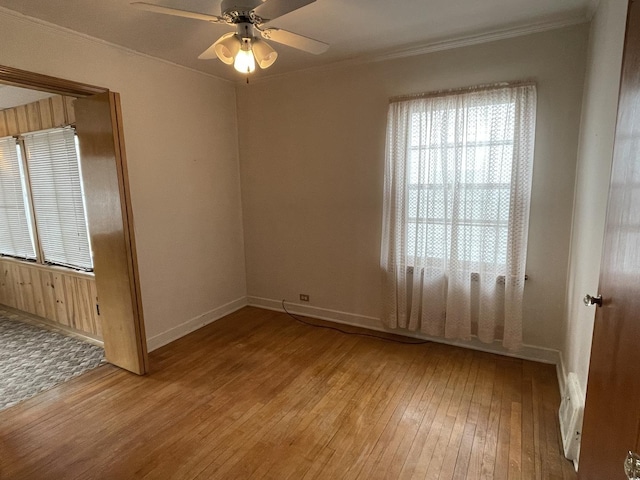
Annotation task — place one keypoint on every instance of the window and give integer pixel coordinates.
(456, 211)
(48, 211)
(468, 151)
(16, 238)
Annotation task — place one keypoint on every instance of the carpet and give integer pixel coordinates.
(34, 359)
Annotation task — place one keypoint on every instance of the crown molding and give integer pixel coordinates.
(60, 30)
(485, 37)
(445, 44)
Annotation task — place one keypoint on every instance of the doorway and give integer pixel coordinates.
(98, 123)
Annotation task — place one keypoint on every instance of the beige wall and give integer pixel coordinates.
(181, 138)
(592, 179)
(312, 146)
(312, 154)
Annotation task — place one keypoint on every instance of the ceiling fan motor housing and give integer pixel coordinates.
(244, 30)
(235, 12)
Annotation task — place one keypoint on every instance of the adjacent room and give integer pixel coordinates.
(333, 240)
(49, 326)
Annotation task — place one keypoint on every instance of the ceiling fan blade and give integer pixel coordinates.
(150, 7)
(296, 41)
(272, 9)
(209, 53)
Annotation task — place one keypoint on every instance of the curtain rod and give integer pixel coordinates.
(453, 91)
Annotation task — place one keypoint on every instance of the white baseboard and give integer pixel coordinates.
(189, 326)
(562, 374)
(528, 352)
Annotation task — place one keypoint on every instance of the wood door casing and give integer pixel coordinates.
(110, 222)
(612, 411)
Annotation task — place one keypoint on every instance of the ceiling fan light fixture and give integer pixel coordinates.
(264, 53)
(227, 47)
(245, 61)
(243, 49)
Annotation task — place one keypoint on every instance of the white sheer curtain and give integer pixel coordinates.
(456, 212)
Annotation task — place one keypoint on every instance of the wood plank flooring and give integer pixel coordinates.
(257, 395)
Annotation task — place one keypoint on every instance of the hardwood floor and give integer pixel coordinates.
(258, 395)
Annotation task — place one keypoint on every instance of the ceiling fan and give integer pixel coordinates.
(243, 48)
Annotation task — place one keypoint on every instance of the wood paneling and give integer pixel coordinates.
(258, 395)
(47, 113)
(60, 295)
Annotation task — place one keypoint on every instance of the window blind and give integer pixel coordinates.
(15, 235)
(56, 189)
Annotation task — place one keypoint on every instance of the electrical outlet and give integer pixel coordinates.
(304, 297)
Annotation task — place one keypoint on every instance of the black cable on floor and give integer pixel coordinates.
(309, 324)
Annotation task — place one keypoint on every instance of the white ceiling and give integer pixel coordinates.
(353, 28)
(15, 96)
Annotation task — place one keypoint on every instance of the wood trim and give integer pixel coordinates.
(129, 230)
(70, 272)
(45, 83)
(99, 135)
